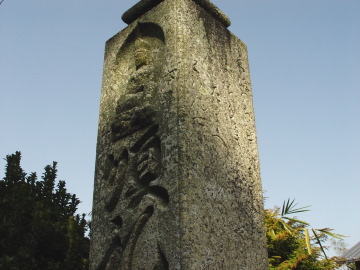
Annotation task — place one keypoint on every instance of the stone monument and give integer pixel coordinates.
(177, 182)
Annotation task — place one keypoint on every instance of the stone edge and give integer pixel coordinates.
(145, 5)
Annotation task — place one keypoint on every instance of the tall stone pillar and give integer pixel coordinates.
(177, 182)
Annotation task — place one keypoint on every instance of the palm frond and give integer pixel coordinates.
(296, 220)
(286, 227)
(307, 241)
(328, 232)
(319, 242)
(289, 208)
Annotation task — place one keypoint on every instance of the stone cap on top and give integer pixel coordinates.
(145, 5)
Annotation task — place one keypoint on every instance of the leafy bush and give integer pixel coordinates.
(38, 225)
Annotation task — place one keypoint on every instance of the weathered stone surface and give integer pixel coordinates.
(177, 183)
(145, 5)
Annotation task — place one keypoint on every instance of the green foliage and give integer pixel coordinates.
(290, 245)
(38, 225)
(40, 230)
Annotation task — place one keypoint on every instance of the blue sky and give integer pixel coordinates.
(305, 70)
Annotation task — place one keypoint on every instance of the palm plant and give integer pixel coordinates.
(291, 244)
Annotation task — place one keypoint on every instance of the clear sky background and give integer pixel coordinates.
(305, 68)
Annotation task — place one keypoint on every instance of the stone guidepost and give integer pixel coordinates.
(177, 180)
